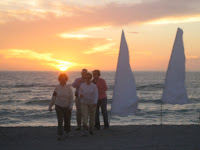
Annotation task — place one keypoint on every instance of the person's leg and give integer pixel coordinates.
(78, 112)
(59, 113)
(92, 110)
(97, 121)
(84, 111)
(67, 120)
(104, 112)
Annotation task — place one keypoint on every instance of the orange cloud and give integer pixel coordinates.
(103, 48)
(46, 58)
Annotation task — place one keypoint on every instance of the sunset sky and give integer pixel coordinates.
(52, 35)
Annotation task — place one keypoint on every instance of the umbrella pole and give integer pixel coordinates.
(161, 112)
(110, 117)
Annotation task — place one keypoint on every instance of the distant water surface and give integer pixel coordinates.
(24, 99)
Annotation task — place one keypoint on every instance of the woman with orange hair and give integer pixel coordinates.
(63, 100)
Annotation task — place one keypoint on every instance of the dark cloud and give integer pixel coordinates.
(134, 32)
(114, 14)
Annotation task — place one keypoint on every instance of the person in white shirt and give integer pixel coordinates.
(89, 96)
(63, 100)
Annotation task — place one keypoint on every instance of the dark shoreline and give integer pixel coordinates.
(139, 137)
(113, 126)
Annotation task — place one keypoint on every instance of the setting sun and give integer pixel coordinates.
(64, 68)
(62, 65)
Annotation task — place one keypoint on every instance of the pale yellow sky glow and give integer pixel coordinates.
(50, 35)
(78, 36)
(176, 20)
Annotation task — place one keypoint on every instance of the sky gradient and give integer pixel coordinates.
(51, 35)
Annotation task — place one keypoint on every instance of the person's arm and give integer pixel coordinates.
(80, 92)
(105, 85)
(53, 99)
(75, 83)
(72, 99)
(95, 95)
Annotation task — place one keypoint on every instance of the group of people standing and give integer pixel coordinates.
(90, 95)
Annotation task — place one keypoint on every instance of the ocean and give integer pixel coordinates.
(25, 96)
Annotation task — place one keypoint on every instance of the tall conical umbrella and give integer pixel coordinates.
(174, 91)
(125, 99)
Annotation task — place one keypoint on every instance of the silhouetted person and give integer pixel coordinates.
(102, 99)
(76, 84)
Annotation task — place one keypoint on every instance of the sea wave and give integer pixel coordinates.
(194, 100)
(9, 101)
(110, 87)
(23, 91)
(156, 101)
(38, 102)
(26, 85)
(150, 87)
(34, 85)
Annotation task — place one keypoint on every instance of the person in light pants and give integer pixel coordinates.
(89, 96)
(76, 84)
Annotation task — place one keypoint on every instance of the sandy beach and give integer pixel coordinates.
(139, 137)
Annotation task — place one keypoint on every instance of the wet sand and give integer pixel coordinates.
(136, 137)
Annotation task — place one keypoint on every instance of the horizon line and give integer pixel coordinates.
(89, 71)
